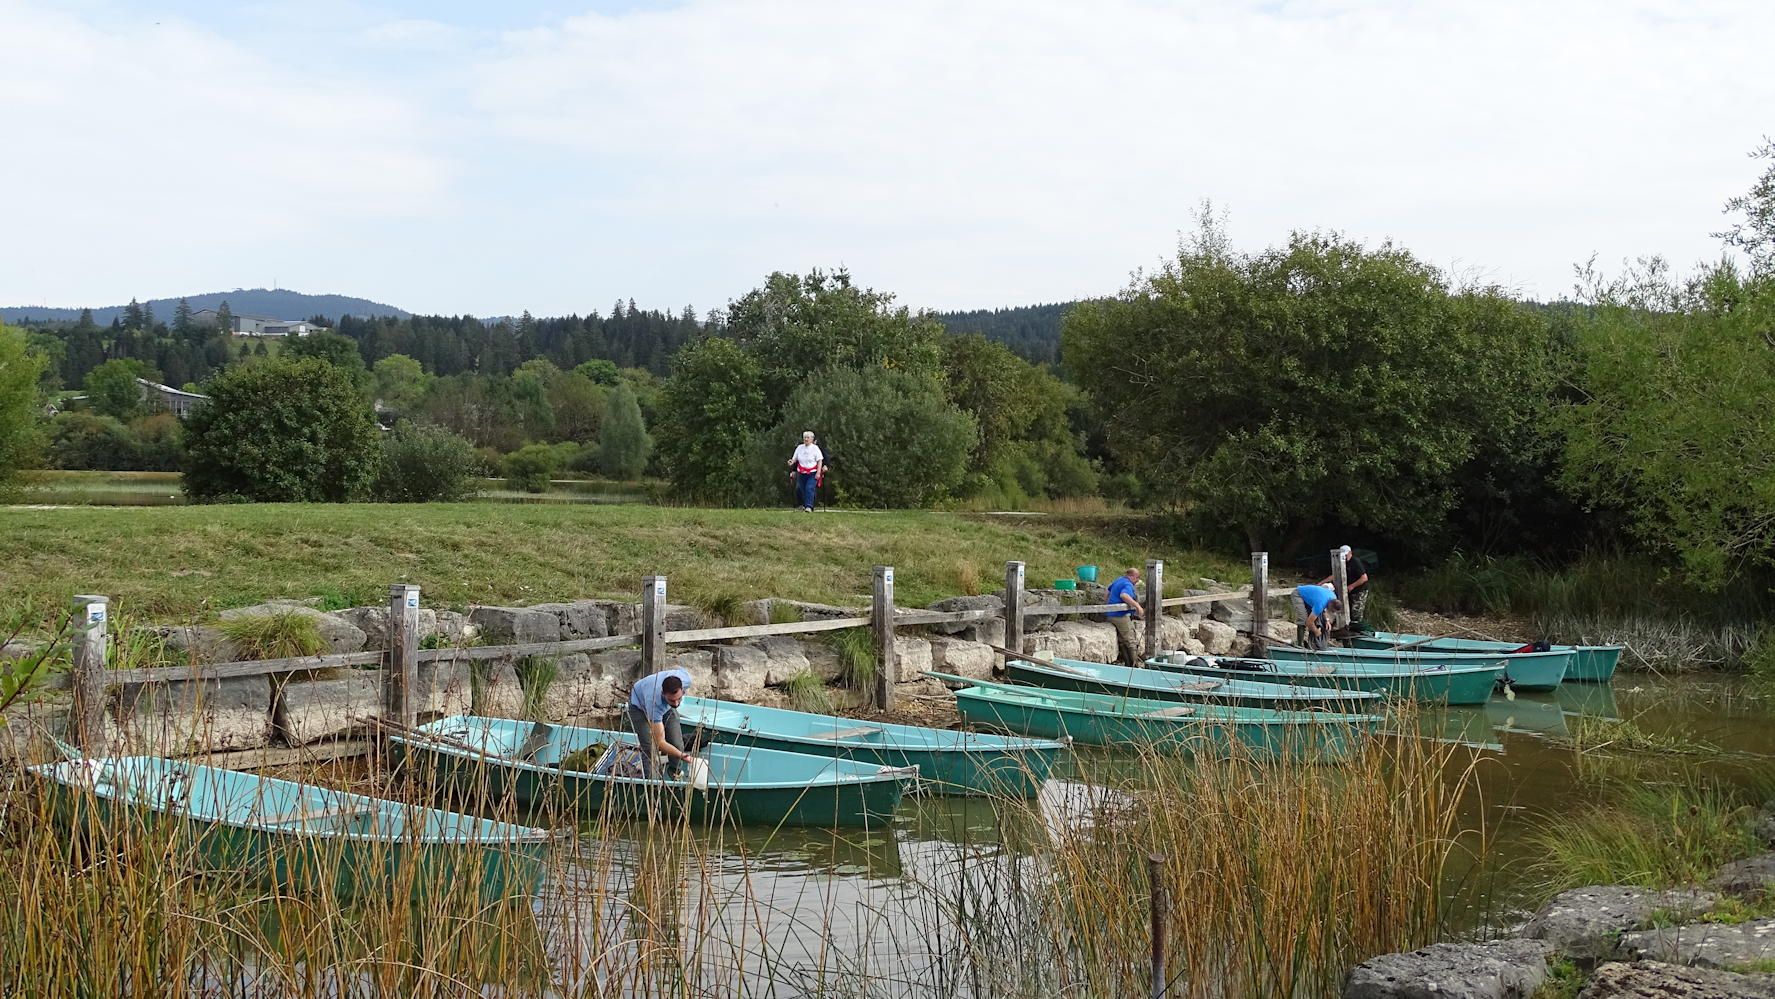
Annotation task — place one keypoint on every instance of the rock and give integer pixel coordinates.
(1173, 632)
(1654, 980)
(970, 659)
(621, 617)
(446, 687)
(1236, 614)
(822, 612)
(1095, 642)
(449, 624)
(1764, 825)
(683, 617)
(188, 716)
(373, 622)
(312, 710)
(515, 625)
(20, 648)
(1585, 923)
(1710, 945)
(1055, 645)
(575, 687)
(1216, 637)
(753, 612)
(912, 657)
(747, 669)
(784, 658)
(1281, 630)
(580, 619)
(985, 601)
(620, 666)
(1500, 969)
(986, 632)
(1750, 877)
(497, 692)
(199, 643)
(1040, 610)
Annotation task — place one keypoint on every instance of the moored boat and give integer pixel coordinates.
(1202, 729)
(1588, 663)
(499, 757)
(949, 762)
(1469, 684)
(301, 838)
(1076, 674)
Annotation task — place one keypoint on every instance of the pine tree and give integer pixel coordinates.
(183, 327)
(225, 318)
(132, 316)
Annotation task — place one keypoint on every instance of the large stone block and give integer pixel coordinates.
(987, 632)
(1041, 608)
(1173, 632)
(1749, 877)
(446, 687)
(580, 619)
(784, 657)
(1095, 642)
(913, 657)
(1585, 923)
(311, 710)
(746, 670)
(622, 666)
(621, 617)
(1216, 637)
(985, 601)
(515, 625)
(970, 659)
(497, 692)
(1656, 980)
(1500, 969)
(1764, 825)
(572, 687)
(373, 622)
(821, 612)
(188, 716)
(198, 643)
(1708, 945)
(1056, 645)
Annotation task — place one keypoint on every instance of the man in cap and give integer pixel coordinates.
(808, 465)
(1355, 583)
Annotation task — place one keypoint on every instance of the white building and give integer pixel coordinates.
(246, 325)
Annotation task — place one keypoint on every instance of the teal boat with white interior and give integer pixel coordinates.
(1588, 664)
(949, 762)
(503, 757)
(304, 839)
(1162, 685)
(1469, 684)
(1204, 729)
(1524, 670)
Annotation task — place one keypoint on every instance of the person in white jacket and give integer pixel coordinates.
(808, 467)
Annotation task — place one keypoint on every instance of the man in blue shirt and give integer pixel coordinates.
(653, 714)
(1311, 603)
(1129, 640)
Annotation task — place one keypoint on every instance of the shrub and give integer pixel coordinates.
(281, 635)
(807, 692)
(19, 369)
(530, 467)
(623, 446)
(281, 430)
(423, 463)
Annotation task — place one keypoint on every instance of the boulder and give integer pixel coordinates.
(1654, 980)
(579, 619)
(496, 691)
(1709, 945)
(446, 687)
(19, 648)
(575, 688)
(822, 612)
(515, 625)
(683, 617)
(1499, 969)
(699, 663)
(784, 657)
(969, 659)
(985, 601)
(912, 657)
(373, 622)
(747, 669)
(990, 632)
(620, 666)
(621, 617)
(336, 631)
(451, 625)
(1056, 645)
(311, 710)
(1750, 877)
(1584, 923)
(1096, 642)
(1040, 610)
(1173, 631)
(199, 643)
(1764, 825)
(1216, 637)
(189, 716)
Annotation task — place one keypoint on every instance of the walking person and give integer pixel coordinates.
(653, 714)
(1311, 603)
(1355, 583)
(1130, 640)
(808, 467)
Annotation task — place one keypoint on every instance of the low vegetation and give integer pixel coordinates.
(279, 635)
(1661, 835)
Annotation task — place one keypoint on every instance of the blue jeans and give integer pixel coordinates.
(805, 482)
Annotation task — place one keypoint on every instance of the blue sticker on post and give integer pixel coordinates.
(659, 587)
(413, 597)
(95, 614)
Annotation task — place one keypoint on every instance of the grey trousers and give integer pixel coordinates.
(644, 731)
(1130, 639)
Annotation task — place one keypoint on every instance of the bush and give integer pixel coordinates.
(84, 439)
(19, 368)
(283, 429)
(624, 447)
(423, 463)
(282, 635)
(530, 467)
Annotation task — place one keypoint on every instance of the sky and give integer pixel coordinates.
(470, 157)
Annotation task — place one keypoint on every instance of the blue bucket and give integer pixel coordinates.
(1088, 573)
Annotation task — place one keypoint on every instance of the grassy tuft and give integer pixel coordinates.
(535, 675)
(807, 692)
(1590, 734)
(1564, 981)
(783, 612)
(967, 578)
(1659, 836)
(279, 635)
(856, 656)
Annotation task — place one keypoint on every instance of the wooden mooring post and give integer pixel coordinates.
(1155, 605)
(1014, 606)
(91, 620)
(401, 682)
(653, 624)
(1260, 604)
(1340, 584)
(1155, 875)
(881, 621)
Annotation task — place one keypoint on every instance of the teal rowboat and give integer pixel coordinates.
(300, 838)
(1588, 664)
(948, 762)
(1524, 670)
(1159, 685)
(1208, 730)
(1471, 684)
(746, 784)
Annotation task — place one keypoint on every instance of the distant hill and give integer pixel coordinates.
(1031, 331)
(280, 303)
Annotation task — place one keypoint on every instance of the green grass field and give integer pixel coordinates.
(180, 562)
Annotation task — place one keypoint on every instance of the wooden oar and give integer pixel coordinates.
(422, 735)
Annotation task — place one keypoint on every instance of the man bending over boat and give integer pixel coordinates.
(653, 714)
(1311, 603)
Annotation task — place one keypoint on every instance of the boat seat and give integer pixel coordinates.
(1322, 670)
(846, 733)
(1201, 685)
(1179, 710)
(303, 816)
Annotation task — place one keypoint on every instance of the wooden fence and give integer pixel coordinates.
(90, 678)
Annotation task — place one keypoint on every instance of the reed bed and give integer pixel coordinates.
(1280, 874)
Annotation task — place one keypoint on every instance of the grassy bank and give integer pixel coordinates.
(181, 562)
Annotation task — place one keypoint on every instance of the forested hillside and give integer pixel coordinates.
(279, 303)
(1031, 331)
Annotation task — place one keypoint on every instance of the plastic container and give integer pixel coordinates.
(1088, 573)
(1065, 584)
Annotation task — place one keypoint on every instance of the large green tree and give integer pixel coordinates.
(19, 403)
(713, 405)
(112, 389)
(284, 429)
(401, 382)
(1313, 383)
(623, 446)
(1026, 446)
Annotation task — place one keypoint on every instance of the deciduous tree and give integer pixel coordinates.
(285, 429)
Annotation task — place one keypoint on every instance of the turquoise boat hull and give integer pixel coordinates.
(747, 785)
(302, 839)
(1468, 684)
(1203, 730)
(1588, 663)
(1076, 674)
(948, 762)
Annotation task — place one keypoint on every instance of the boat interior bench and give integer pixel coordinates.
(302, 816)
(846, 733)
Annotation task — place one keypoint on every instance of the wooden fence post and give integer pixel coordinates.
(91, 614)
(401, 682)
(1260, 604)
(1014, 606)
(887, 666)
(653, 624)
(1155, 605)
(1340, 583)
